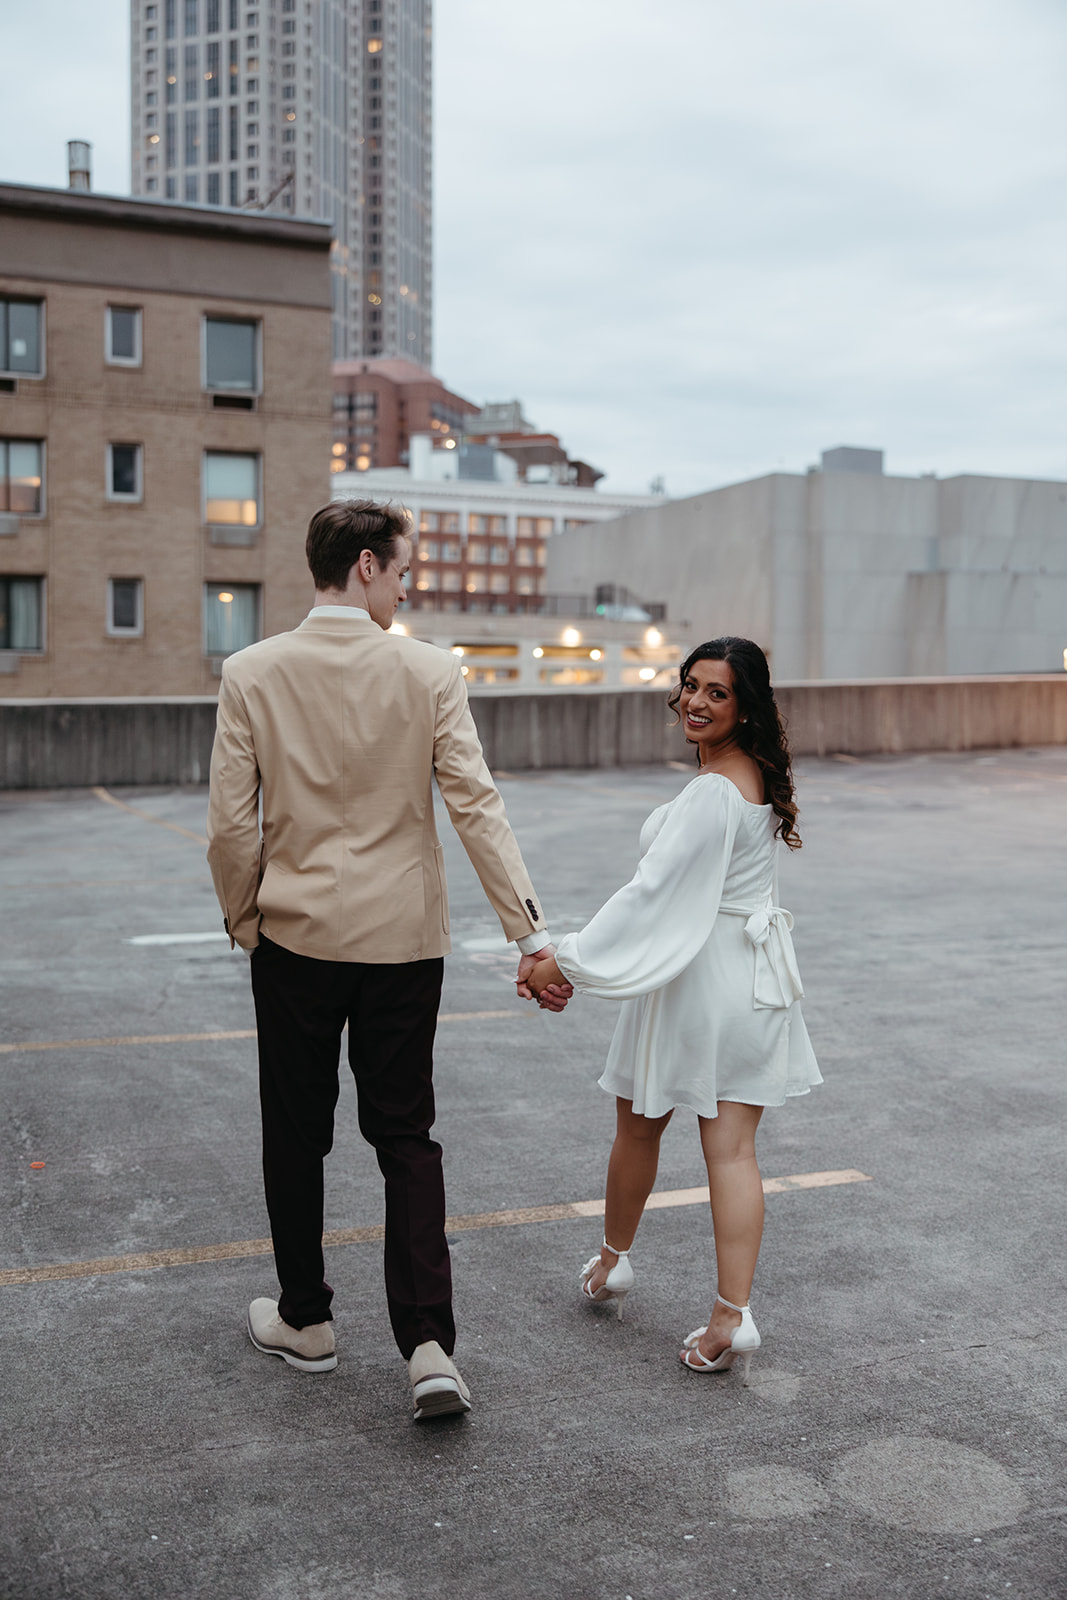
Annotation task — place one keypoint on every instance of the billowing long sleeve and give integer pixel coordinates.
(651, 930)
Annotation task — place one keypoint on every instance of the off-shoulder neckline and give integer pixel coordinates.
(766, 806)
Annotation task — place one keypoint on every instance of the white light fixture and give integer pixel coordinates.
(538, 653)
(401, 628)
(458, 650)
(596, 655)
(571, 637)
(647, 674)
(653, 638)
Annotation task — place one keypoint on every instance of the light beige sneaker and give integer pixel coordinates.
(311, 1349)
(436, 1386)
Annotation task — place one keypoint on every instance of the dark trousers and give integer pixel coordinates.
(302, 1006)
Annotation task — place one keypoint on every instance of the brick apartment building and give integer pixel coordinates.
(379, 405)
(164, 429)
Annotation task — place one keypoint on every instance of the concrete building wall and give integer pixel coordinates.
(845, 574)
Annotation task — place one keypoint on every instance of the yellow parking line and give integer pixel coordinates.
(146, 816)
(197, 1038)
(242, 1249)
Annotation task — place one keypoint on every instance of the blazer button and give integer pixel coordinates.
(532, 909)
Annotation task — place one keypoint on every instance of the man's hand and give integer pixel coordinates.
(526, 966)
(550, 988)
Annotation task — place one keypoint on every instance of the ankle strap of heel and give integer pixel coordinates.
(622, 1254)
(724, 1300)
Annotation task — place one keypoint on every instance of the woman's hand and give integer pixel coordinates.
(548, 985)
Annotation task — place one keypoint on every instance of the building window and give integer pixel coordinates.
(428, 581)
(172, 76)
(20, 613)
(231, 617)
(20, 476)
(122, 336)
(231, 490)
(172, 188)
(475, 552)
(232, 19)
(231, 355)
(192, 71)
(534, 527)
(170, 11)
(125, 607)
(21, 345)
(451, 582)
(213, 194)
(192, 188)
(498, 583)
(498, 555)
(235, 71)
(124, 472)
(192, 138)
(526, 555)
(235, 137)
(235, 198)
(152, 185)
(213, 140)
(211, 70)
(213, 9)
(171, 147)
(192, 21)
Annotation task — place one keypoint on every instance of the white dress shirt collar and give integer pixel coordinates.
(338, 611)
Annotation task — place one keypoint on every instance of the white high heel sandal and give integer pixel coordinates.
(744, 1342)
(617, 1284)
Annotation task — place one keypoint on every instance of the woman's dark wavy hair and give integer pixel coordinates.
(762, 736)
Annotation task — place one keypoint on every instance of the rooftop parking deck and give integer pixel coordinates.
(903, 1435)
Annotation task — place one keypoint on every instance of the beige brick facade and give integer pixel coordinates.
(78, 255)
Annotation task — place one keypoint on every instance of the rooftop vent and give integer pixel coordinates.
(79, 154)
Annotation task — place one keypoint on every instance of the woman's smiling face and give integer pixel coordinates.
(708, 706)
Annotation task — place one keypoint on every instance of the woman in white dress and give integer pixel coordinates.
(700, 954)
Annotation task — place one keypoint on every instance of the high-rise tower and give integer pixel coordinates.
(312, 108)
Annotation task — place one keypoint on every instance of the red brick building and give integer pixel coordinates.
(379, 404)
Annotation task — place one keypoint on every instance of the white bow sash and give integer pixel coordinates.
(776, 983)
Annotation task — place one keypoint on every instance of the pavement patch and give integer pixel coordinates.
(929, 1486)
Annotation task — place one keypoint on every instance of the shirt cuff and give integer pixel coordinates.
(530, 943)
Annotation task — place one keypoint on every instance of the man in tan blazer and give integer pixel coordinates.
(338, 729)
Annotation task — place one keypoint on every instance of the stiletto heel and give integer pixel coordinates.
(744, 1342)
(617, 1284)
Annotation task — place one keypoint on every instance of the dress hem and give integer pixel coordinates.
(728, 1099)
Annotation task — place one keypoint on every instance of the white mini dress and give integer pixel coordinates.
(702, 959)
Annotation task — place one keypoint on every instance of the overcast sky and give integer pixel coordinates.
(709, 238)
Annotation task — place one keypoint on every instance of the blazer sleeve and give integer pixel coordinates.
(478, 815)
(234, 843)
(652, 928)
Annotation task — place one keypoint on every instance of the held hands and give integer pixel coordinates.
(539, 978)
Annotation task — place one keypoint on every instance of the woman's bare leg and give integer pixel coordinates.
(631, 1174)
(729, 1144)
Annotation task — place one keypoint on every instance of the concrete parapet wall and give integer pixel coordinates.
(50, 744)
(59, 744)
(889, 715)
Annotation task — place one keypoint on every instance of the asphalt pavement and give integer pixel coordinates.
(904, 1431)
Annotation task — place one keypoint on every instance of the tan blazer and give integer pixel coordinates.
(342, 727)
